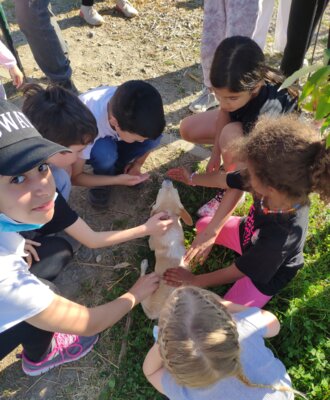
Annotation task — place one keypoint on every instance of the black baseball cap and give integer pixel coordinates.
(21, 145)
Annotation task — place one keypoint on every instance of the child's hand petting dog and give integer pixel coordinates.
(178, 276)
(158, 224)
(131, 180)
(179, 174)
(145, 286)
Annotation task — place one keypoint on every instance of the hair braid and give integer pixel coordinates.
(198, 340)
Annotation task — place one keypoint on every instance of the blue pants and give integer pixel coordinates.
(43, 34)
(110, 157)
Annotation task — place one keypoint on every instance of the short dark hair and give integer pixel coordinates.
(59, 115)
(138, 108)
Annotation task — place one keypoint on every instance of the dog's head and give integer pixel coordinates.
(168, 200)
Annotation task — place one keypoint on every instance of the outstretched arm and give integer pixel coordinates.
(81, 178)
(208, 179)
(204, 241)
(85, 235)
(66, 316)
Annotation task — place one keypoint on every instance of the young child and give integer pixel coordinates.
(60, 117)
(130, 120)
(286, 160)
(208, 348)
(8, 61)
(31, 311)
(246, 88)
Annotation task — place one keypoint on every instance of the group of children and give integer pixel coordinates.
(206, 347)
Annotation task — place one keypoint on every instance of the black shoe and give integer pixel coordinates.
(99, 197)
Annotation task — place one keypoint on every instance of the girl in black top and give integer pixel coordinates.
(285, 162)
(246, 88)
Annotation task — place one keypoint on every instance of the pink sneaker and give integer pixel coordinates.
(209, 209)
(66, 348)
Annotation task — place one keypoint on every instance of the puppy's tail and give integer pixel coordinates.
(144, 266)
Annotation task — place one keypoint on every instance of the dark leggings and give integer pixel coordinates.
(303, 19)
(54, 254)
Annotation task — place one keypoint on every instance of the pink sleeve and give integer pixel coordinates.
(7, 59)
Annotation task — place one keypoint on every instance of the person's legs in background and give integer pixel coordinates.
(303, 19)
(43, 34)
(92, 17)
(89, 14)
(222, 19)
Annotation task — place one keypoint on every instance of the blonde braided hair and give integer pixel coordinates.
(198, 340)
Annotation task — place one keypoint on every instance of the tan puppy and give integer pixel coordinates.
(169, 248)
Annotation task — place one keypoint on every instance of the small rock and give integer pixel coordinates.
(98, 258)
(117, 73)
(90, 34)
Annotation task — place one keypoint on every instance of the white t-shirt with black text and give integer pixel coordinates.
(22, 295)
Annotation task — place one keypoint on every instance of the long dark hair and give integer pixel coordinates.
(239, 65)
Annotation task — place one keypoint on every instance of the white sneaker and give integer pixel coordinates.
(91, 16)
(204, 102)
(126, 8)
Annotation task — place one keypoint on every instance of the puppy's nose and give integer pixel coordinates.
(167, 183)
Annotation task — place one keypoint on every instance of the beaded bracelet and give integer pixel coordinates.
(190, 179)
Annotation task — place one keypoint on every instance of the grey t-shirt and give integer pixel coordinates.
(259, 365)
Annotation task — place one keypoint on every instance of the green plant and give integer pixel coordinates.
(315, 94)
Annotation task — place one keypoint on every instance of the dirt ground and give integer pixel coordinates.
(162, 47)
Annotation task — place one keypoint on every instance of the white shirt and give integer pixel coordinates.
(22, 295)
(97, 101)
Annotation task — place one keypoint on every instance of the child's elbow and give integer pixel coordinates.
(272, 323)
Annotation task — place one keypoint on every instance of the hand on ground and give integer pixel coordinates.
(158, 224)
(178, 276)
(145, 286)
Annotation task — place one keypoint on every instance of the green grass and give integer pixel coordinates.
(302, 308)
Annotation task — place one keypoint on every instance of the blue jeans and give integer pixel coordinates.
(37, 21)
(110, 157)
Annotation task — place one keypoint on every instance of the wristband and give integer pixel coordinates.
(190, 179)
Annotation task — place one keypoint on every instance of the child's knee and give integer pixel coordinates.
(185, 129)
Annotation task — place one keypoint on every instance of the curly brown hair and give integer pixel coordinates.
(288, 155)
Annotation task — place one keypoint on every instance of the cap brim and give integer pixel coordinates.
(23, 156)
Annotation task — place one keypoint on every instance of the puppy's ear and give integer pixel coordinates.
(186, 217)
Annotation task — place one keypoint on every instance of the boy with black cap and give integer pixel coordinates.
(30, 310)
